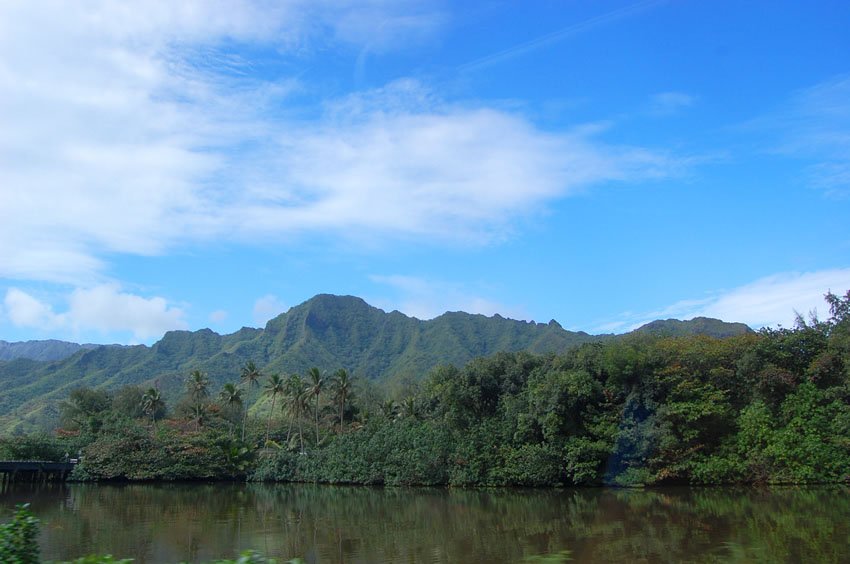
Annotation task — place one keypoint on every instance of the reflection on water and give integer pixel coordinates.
(199, 522)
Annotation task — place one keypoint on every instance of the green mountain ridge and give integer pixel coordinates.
(326, 331)
(696, 326)
(40, 350)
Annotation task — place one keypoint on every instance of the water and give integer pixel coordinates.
(199, 522)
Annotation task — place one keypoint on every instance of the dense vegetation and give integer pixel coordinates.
(326, 331)
(647, 409)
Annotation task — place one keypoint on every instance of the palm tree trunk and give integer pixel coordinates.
(317, 419)
(269, 422)
(244, 418)
(301, 433)
(341, 412)
(289, 431)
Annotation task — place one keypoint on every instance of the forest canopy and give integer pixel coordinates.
(765, 407)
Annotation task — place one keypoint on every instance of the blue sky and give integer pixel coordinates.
(181, 165)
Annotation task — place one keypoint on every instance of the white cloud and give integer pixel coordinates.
(815, 125)
(218, 316)
(669, 103)
(104, 308)
(24, 310)
(266, 308)
(426, 299)
(115, 116)
(397, 161)
(562, 34)
(767, 302)
(133, 128)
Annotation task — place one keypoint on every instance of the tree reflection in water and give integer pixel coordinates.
(199, 522)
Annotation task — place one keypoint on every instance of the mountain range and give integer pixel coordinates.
(326, 331)
(40, 350)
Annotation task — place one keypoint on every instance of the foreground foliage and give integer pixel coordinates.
(19, 538)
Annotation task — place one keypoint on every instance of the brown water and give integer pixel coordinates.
(200, 522)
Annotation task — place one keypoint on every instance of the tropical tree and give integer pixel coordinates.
(230, 396)
(250, 377)
(342, 385)
(152, 404)
(199, 413)
(317, 385)
(85, 409)
(389, 409)
(295, 394)
(274, 386)
(198, 386)
(410, 408)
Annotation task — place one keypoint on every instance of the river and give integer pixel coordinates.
(168, 523)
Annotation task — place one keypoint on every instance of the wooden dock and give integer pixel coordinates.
(34, 471)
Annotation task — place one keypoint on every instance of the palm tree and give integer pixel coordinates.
(274, 386)
(152, 404)
(342, 383)
(389, 409)
(251, 374)
(251, 377)
(317, 384)
(296, 404)
(230, 396)
(198, 386)
(410, 408)
(199, 413)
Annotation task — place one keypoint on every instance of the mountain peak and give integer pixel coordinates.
(696, 326)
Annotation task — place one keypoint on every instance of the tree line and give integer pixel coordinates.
(768, 407)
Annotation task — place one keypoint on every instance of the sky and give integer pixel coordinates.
(181, 165)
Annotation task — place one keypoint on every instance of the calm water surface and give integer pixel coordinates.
(200, 522)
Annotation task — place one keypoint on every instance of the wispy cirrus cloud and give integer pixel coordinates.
(767, 302)
(560, 35)
(397, 162)
(815, 125)
(117, 116)
(266, 308)
(670, 103)
(130, 131)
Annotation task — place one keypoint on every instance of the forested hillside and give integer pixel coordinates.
(327, 332)
(766, 407)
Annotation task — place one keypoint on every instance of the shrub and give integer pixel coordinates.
(18, 539)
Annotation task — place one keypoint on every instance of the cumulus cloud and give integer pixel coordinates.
(767, 302)
(426, 299)
(24, 310)
(104, 309)
(266, 308)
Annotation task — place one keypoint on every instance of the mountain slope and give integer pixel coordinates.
(40, 350)
(696, 326)
(326, 331)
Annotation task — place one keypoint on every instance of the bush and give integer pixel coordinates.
(18, 539)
